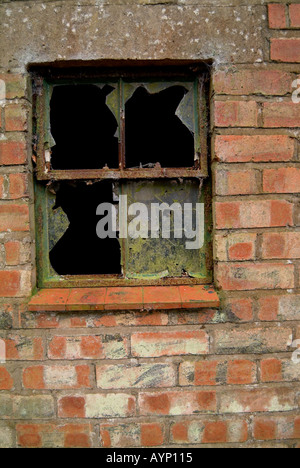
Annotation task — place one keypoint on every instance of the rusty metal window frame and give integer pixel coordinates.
(42, 81)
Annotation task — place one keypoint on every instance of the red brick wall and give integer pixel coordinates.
(207, 378)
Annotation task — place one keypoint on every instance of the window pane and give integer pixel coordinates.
(167, 257)
(160, 124)
(83, 127)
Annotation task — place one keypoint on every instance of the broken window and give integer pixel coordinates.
(108, 139)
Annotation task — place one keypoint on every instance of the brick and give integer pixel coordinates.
(241, 182)
(277, 427)
(257, 400)
(250, 214)
(282, 180)
(209, 432)
(24, 348)
(7, 439)
(71, 407)
(277, 18)
(15, 85)
(295, 15)
(88, 347)
(257, 148)
(34, 407)
(252, 341)
(12, 253)
(264, 429)
(285, 50)
(177, 403)
(169, 343)
(281, 114)
(15, 118)
(239, 309)
(97, 406)
(6, 379)
(268, 308)
(9, 283)
(131, 435)
(139, 376)
(199, 372)
(251, 276)
(249, 81)
(271, 370)
(152, 435)
(54, 436)
(241, 372)
(281, 245)
(128, 319)
(56, 377)
(17, 186)
(14, 218)
(241, 246)
(12, 153)
(236, 114)
(110, 406)
(6, 406)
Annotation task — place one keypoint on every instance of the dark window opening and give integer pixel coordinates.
(154, 133)
(83, 128)
(80, 251)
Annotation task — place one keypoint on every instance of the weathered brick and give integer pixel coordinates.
(295, 15)
(15, 85)
(17, 186)
(257, 400)
(14, 218)
(285, 50)
(209, 432)
(88, 347)
(276, 427)
(139, 376)
(12, 153)
(252, 341)
(248, 81)
(250, 276)
(9, 283)
(7, 438)
(200, 372)
(271, 370)
(56, 377)
(15, 118)
(241, 372)
(281, 114)
(239, 309)
(281, 245)
(177, 403)
(236, 182)
(277, 16)
(279, 308)
(24, 348)
(169, 343)
(256, 148)
(241, 246)
(12, 253)
(250, 214)
(236, 114)
(33, 407)
(282, 180)
(6, 379)
(54, 436)
(132, 435)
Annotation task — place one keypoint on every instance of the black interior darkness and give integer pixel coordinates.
(83, 128)
(154, 133)
(80, 251)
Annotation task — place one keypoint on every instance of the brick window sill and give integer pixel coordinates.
(125, 298)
